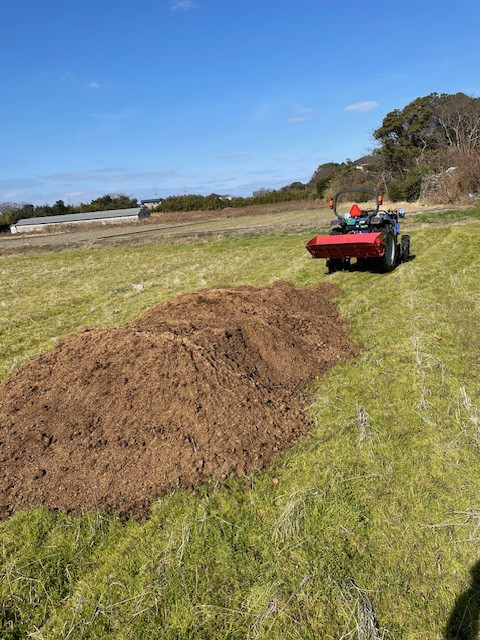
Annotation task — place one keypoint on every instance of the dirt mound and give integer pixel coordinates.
(199, 387)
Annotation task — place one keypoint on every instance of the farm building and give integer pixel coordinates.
(55, 223)
(152, 203)
(216, 196)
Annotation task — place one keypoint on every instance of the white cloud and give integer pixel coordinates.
(114, 116)
(362, 107)
(235, 154)
(296, 119)
(301, 114)
(67, 75)
(72, 194)
(260, 115)
(16, 185)
(103, 123)
(267, 172)
(223, 181)
(111, 174)
(93, 85)
(183, 5)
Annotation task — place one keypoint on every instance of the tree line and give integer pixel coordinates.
(195, 202)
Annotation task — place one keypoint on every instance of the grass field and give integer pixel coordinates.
(192, 226)
(450, 216)
(369, 528)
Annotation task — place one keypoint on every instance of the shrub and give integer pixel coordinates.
(396, 190)
(408, 187)
(195, 202)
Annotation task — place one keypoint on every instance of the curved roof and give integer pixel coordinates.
(76, 217)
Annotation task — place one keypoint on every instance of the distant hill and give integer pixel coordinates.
(332, 176)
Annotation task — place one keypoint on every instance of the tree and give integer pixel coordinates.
(325, 170)
(107, 203)
(432, 130)
(262, 192)
(10, 213)
(59, 208)
(406, 136)
(295, 186)
(458, 120)
(322, 184)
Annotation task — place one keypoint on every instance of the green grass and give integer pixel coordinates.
(379, 506)
(455, 215)
(47, 296)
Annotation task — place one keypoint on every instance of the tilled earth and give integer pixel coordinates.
(203, 386)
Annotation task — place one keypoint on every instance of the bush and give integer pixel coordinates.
(413, 182)
(195, 202)
(408, 187)
(396, 190)
(322, 185)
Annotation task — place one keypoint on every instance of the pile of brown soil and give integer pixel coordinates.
(203, 386)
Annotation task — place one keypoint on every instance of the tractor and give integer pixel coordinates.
(372, 236)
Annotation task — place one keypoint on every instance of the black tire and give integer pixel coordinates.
(367, 264)
(334, 264)
(405, 248)
(388, 261)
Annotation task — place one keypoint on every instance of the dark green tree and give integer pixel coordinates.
(59, 208)
(406, 136)
(107, 203)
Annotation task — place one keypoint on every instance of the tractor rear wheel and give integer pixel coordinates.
(389, 259)
(405, 248)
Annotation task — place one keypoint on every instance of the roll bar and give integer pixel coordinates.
(369, 189)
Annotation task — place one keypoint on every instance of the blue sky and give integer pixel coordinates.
(159, 97)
